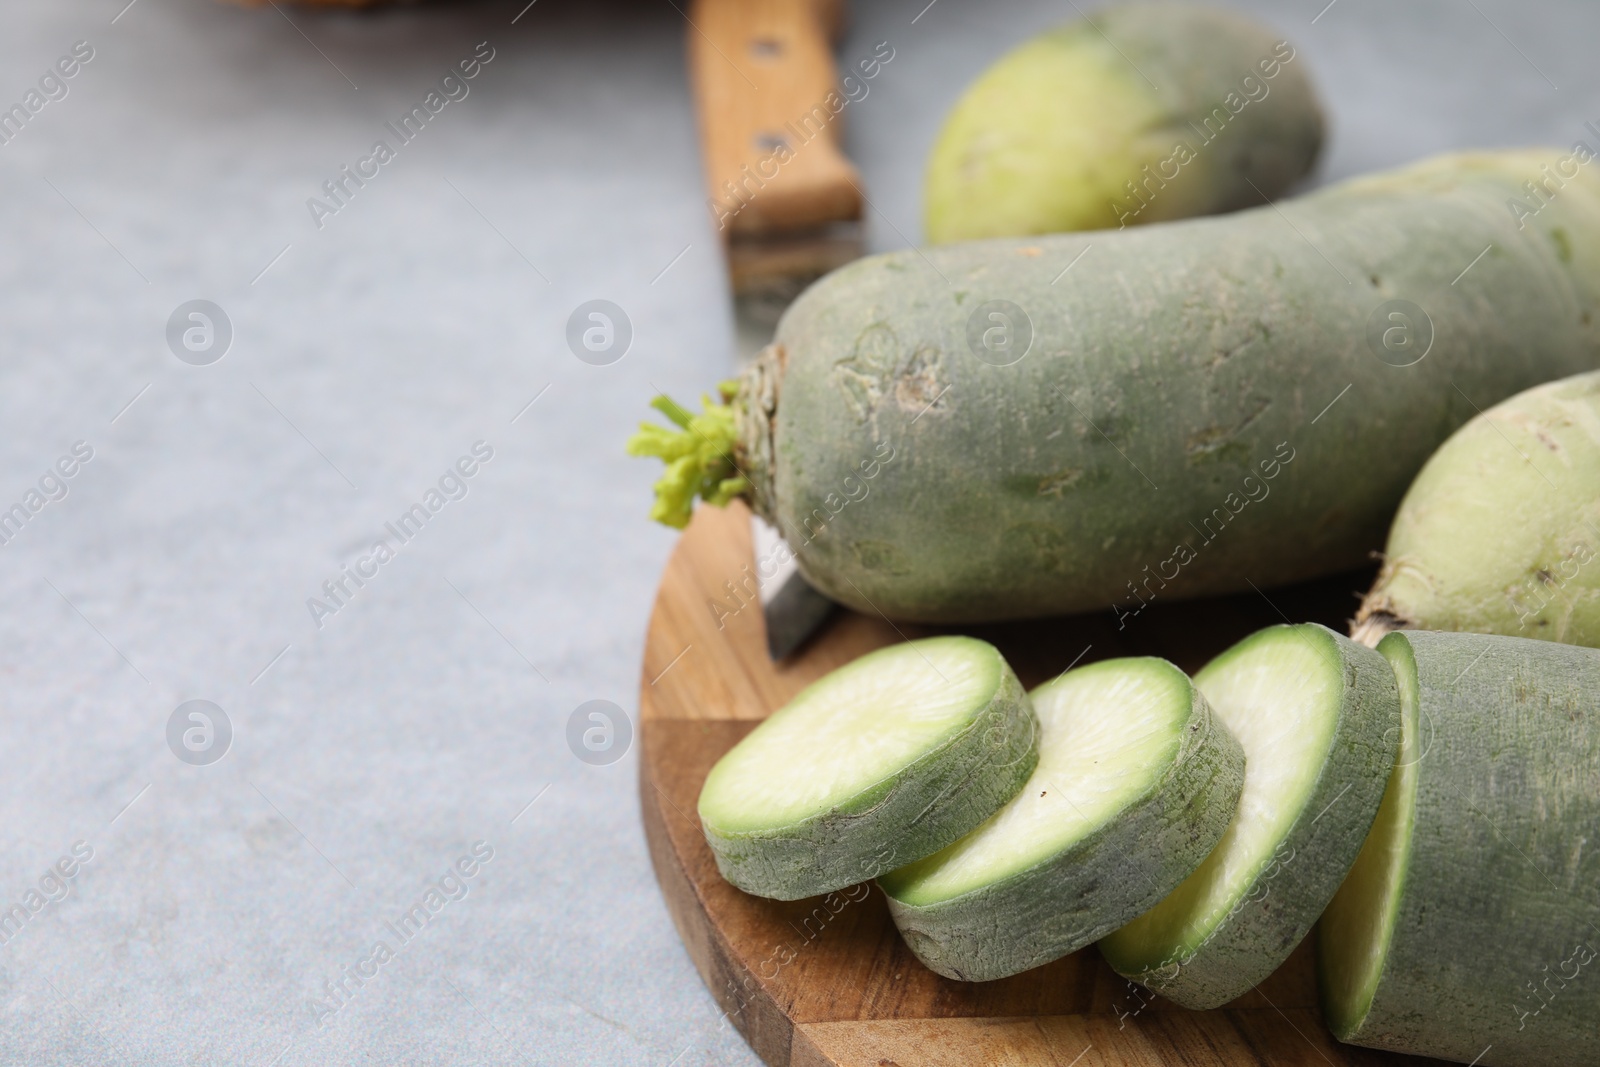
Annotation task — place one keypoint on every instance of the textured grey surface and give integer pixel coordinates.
(425, 714)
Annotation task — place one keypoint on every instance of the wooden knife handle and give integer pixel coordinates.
(767, 95)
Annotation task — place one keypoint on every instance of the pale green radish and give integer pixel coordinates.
(1135, 783)
(1468, 928)
(1318, 716)
(1137, 113)
(1500, 532)
(878, 763)
(1188, 409)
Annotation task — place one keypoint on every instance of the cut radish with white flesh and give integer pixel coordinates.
(1136, 782)
(1318, 716)
(883, 761)
(1470, 926)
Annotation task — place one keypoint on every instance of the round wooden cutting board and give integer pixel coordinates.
(827, 981)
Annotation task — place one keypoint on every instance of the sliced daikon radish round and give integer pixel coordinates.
(883, 761)
(1136, 782)
(1319, 719)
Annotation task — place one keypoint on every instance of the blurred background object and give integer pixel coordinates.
(325, 3)
(1109, 120)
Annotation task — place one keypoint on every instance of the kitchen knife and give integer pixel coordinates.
(785, 202)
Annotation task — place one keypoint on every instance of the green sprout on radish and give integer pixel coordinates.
(698, 455)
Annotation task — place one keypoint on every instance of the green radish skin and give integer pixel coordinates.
(1294, 695)
(1066, 132)
(865, 771)
(1499, 533)
(1134, 812)
(1199, 408)
(1468, 929)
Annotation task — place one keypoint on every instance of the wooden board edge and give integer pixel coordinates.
(737, 992)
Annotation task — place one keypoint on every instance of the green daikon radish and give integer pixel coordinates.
(1500, 532)
(1318, 716)
(1469, 926)
(1136, 781)
(987, 431)
(1137, 113)
(879, 763)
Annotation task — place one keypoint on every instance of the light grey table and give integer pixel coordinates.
(375, 746)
